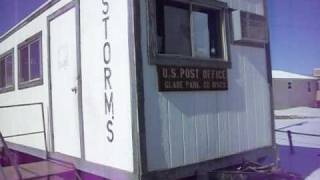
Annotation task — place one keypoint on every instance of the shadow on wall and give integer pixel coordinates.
(173, 118)
(173, 111)
(245, 62)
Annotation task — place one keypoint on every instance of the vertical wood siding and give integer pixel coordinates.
(188, 127)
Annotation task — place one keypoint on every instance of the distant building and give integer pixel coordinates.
(293, 90)
(316, 73)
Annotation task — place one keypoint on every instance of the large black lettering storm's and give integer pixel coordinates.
(108, 91)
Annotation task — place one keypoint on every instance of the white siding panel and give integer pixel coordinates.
(243, 115)
(222, 104)
(213, 128)
(28, 120)
(201, 109)
(189, 132)
(21, 122)
(187, 127)
(159, 125)
(234, 95)
(175, 110)
(205, 125)
(165, 141)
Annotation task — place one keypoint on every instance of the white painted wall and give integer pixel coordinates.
(298, 95)
(119, 152)
(64, 84)
(182, 128)
(24, 120)
(188, 127)
(21, 120)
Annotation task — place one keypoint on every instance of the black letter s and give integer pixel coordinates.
(110, 139)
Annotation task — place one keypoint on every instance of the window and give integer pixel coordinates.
(6, 72)
(309, 86)
(190, 32)
(289, 85)
(30, 62)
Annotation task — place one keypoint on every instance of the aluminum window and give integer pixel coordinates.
(189, 32)
(6, 72)
(30, 62)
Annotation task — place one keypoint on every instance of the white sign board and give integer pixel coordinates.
(106, 83)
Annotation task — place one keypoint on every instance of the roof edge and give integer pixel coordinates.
(280, 74)
(28, 19)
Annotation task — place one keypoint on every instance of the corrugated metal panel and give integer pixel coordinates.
(187, 127)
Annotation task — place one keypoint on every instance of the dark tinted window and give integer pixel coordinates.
(174, 28)
(6, 72)
(2, 74)
(188, 30)
(35, 60)
(30, 62)
(24, 63)
(9, 70)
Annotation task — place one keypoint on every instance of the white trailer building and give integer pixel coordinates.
(144, 89)
(293, 90)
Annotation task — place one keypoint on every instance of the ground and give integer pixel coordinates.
(305, 157)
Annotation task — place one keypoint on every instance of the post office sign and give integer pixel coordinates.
(179, 78)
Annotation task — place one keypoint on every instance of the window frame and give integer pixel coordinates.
(11, 87)
(309, 88)
(156, 58)
(36, 81)
(290, 85)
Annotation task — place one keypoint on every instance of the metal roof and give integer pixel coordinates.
(278, 74)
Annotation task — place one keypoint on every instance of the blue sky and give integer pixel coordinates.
(294, 30)
(12, 11)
